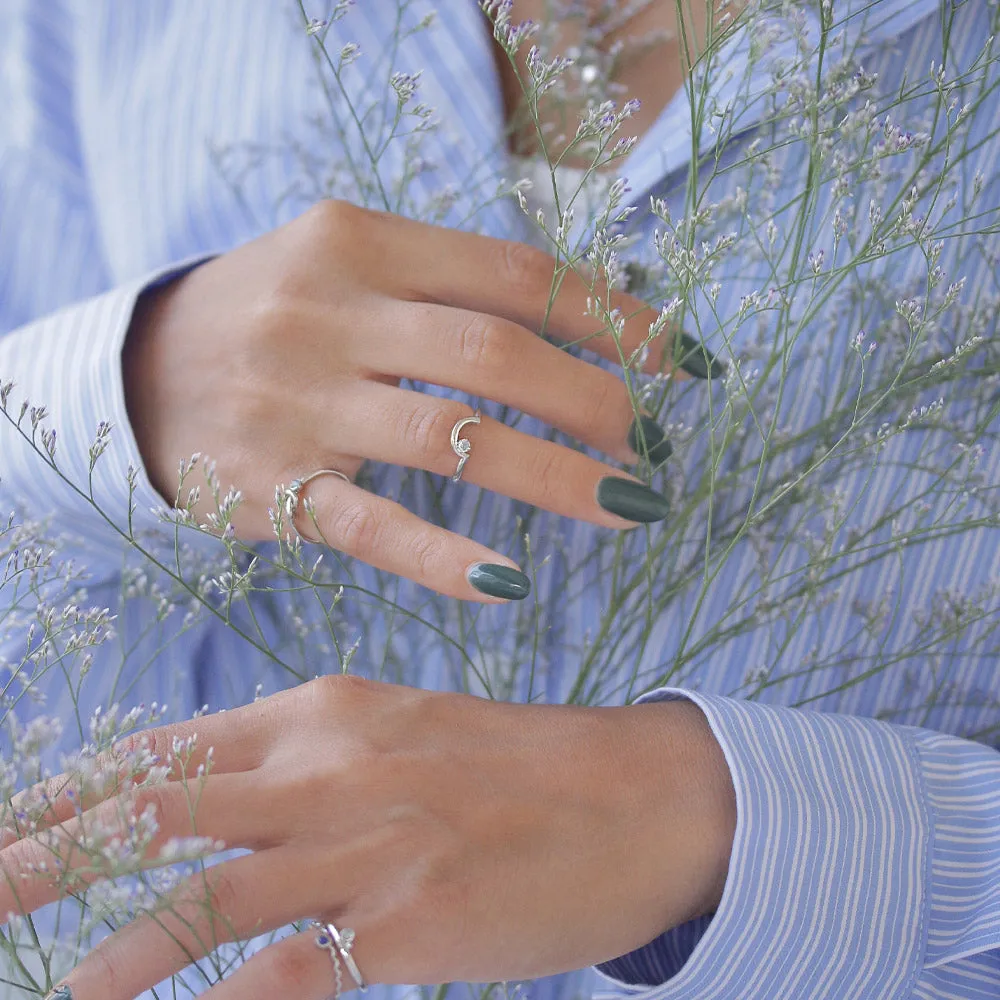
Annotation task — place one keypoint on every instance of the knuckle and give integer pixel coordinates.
(356, 530)
(481, 343)
(546, 472)
(146, 746)
(43, 800)
(425, 551)
(28, 857)
(441, 876)
(333, 688)
(269, 311)
(526, 269)
(595, 418)
(331, 216)
(222, 894)
(133, 755)
(156, 798)
(275, 311)
(426, 429)
(61, 789)
(292, 967)
(131, 745)
(328, 229)
(109, 964)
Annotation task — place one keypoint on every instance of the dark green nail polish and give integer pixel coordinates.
(697, 360)
(500, 581)
(654, 438)
(631, 500)
(60, 993)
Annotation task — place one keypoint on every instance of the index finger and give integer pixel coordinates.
(227, 742)
(516, 281)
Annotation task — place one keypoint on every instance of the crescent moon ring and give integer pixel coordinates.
(462, 447)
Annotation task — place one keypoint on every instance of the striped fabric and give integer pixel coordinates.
(866, 862)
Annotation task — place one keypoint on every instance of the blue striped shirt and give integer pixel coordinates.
(138, 139)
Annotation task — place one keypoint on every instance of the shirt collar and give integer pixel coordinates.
(739, 78)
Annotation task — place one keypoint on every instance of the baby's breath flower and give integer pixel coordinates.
(189, 849)
(405, 85)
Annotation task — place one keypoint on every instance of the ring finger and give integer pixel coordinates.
(384, 534)
(236, 900)
(293, 967)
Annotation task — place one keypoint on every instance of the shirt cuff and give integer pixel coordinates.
(70, 363)
(851, 869)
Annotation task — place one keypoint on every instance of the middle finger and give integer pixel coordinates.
(37, 870)
(235, 900)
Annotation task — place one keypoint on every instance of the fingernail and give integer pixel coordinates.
(696, 359)
(60, 993)
(631, 500)
(653, 437)
(499, 581)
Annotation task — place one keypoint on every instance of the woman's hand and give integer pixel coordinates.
(460, 838)
(285, 355)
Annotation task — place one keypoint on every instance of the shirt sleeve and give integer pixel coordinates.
(69, 360)
(70, 364)
(866, 863)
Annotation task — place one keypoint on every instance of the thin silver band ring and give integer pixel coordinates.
(462, 446)
(293, 493)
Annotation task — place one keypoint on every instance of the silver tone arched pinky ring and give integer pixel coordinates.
(462, 446)
(293, 493)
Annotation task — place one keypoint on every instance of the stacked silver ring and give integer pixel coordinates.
(339, 944)
(293, 493)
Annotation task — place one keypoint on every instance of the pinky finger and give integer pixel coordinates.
(295, 967)
(386, 535)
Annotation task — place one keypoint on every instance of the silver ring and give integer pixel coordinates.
(293, 493)
(334, 941)
(462, 446)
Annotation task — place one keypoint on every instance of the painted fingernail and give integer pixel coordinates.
(631, 500)
(499, 581)
(60, 993)
(646, 431)
(697, 360)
